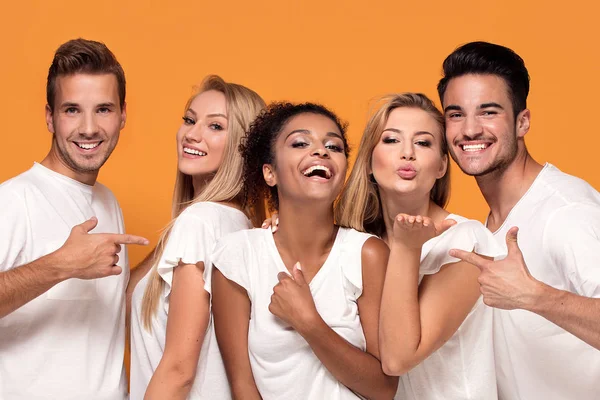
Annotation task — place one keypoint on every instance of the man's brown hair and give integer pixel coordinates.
(86, 57)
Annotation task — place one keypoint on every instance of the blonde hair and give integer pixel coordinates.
(359, 206)
(243, 105)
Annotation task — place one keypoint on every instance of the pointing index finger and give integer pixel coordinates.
(469, 257)
(129, 239)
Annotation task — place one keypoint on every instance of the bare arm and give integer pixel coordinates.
(417, 320)
(83, 256)
(231, 311)
(360, 371)
(135, 277)
(186, 327)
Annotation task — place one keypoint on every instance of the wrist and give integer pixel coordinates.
(310, 326)
(54, 263)
(540, 297)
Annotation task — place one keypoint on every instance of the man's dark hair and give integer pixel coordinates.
(489, 59)
(85, 57)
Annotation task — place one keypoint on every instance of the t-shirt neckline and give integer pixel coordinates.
(281, 265)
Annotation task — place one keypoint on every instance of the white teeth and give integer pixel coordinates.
(193, 151)
(88, 146)
(474, 147)
(309, 170)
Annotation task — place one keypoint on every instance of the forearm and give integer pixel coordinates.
(576, 314)
(400, 316)
(20, 285)
(171, 380)
(358, 370)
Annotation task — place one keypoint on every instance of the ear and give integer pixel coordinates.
(269, 175)
(123, 115)
(49, 120)
(523, 120)
(443, 167)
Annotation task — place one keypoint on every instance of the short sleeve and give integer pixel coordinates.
(351, 259)
(13, 229)
(232, 258)
(572, 241)
(468, 235)
(190, 241)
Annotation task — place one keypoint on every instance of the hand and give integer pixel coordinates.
(92, 255)
(412, 231)
(505, 284)
(292, 301)
(272, 223)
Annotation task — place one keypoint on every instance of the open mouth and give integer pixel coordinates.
(193, 152)
(319, 171)
(474, 147)
(87, 146)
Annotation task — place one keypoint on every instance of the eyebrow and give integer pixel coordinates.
(418, 133)
(217, 115)
(307, 132)
(454, 107)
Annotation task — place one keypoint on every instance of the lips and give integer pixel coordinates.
(407, 172)
(318, 171)
(192, 151)
(87, 146)
(474, 146)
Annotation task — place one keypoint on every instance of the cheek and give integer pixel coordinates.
(381, 161)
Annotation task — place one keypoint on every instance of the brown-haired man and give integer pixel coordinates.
(61, 328)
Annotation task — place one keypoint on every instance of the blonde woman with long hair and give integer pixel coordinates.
(434, 330)
(174, 352)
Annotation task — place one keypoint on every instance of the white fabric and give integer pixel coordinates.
(559, 231)
(463, 368)
(283, 364)
(69, 342)
(192, 240)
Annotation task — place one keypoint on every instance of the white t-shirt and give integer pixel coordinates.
(559, 235)
(69, 342)
(463, 368)
(283, 364)
(191, 240)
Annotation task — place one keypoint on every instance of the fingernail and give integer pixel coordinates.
(277, 221)
(274, 228)
(298, 266)
(264, 225)
(452, 253)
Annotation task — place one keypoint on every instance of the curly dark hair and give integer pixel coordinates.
(257, 147)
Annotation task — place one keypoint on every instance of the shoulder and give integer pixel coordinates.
(573, 220)
(568, 188)
(242, 238)
(374, 249)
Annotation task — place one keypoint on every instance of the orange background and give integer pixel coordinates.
(340, 53)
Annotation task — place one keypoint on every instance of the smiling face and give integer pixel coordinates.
(408, 158)
(310, 163)
(85, 123)
(480, 125)
(202, 137)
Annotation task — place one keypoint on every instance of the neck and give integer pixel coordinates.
(305, 229)
(503, 188)
(199, 183)
(54, 162)
(394, 204)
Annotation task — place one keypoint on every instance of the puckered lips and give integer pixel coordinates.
(87, 147)
(406, 171)
(190, 151)
(318, 171)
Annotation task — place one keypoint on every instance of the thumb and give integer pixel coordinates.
(444, 226)
(297, 274)
(89, 224)
(511, 241)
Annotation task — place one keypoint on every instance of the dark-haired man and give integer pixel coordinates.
(547, 298)
(62, 329)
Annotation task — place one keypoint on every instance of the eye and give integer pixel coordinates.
(489, 112)
(71, 110)
(454, 115)
(299, 145)
(334, 147)
(188, 121)
(390, 140)
(424, 143)
(215, 126)
(104, 110)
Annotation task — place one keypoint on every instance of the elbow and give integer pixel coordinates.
(394, 367)
(180, 374)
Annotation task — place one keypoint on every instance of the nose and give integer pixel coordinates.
(89, 125)
(407, 152)
(194, 134)
(471, 127)
(320, 151)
